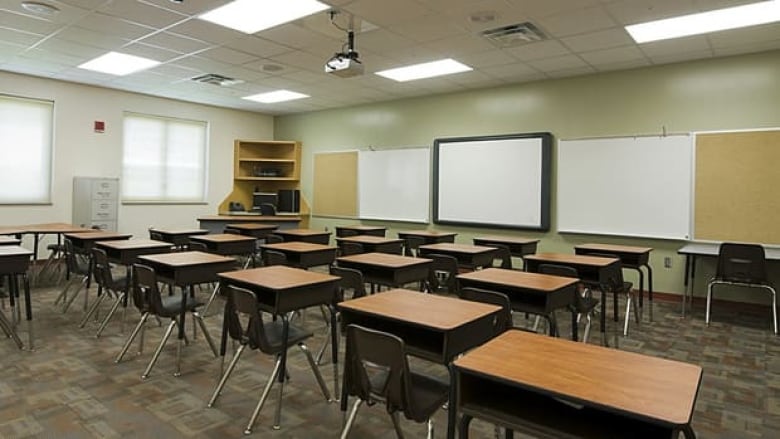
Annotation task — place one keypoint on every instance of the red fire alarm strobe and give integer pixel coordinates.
(100, 126)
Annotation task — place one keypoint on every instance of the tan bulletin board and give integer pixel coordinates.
(737, 187)
(335, 184)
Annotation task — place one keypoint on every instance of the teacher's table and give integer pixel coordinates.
(593, 270)
(345, 231)
(533, 293)
(693, 250)
(304, 254)
(218, 223)
(468, 256)
(14, 262)
(550, 387)
(256, 230)
(375, 244)
(185, 270)
(305, 235)
(388, 269)
(630, 257)
(434, 328)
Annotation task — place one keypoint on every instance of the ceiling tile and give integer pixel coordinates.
(256, 46)
(460, 45)
(747, 48)
(576, 22)
(677, 46)
(83, 51)
(623, 65)
(639, 11)
(19, 37)
(205, 31)
(487, 58)
(744, 36)
(92, 38)
(296, 36)
(114, 26)
(152, 52)
(142, 13)
(228, 56)
(613, 56)
(301, 60)
(518, 72)
(177, 43)
(429, 27)
(566, 62)
(384, 13)
(538, 50)
(27, 23)
(678, 57)
(603, 39)
(540, 9)
(577, 71)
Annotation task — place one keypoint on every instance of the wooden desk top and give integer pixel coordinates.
(278, 277)
(385, 260)
(297, 247)
(507, 239)
(369, 239)
(610, 248)
(56, 228)
(133, 244)
(252, 226)
(426, 233)
(252, 218)
(565, 258)
(97, 236)
(302, 232)
(362, 228)
(647, 386)
(457, 248)
(438, 312)
(11, 230)
(7, 240)
(521, 279)
(180, 232)
(186, 259)
(14, 250)
(222, 237)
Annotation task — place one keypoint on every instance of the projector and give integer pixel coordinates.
(345, 65)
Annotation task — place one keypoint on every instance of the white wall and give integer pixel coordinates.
(78, 151)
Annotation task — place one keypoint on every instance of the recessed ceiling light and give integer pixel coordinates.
(705, 22)
(251, 16)
(40, 8)
(120, 64)
(276, 96)
(425, 70)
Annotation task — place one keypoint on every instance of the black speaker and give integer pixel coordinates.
(289, 200)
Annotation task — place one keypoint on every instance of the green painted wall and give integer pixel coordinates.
(719, 94)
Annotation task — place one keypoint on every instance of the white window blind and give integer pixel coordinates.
(164, 159)
(25, 150)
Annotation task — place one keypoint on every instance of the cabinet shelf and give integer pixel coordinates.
(266, 179)
(260, 160)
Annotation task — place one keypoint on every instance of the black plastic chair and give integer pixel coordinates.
(742, 265)
(503, 255)
(411, 244)
(442, 277)
(584, 302)
(617, 286)
(140, 295)
(503, 320)
(77, 265)
(108, 286)
(351, 280)
(377, 370)
(245, 325)
(350, 248)
(273, 257)
(267, 209)
(273, 238)
(168, 306)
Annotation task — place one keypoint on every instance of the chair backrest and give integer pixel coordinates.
(145, 290)
(273, 238)
(345, 233)
(615, 275)
(558, 270)
(411, 244)
(101, 268)
(504, 255)
(443, 272)
(739, 262)
(231, 230)
(503, 320)
(197, 246)
(394, 248)
(376, 369)
(267, 209)
(155, 235)
(273, 257)
(351, 279)
(76, 263)
(351, 248)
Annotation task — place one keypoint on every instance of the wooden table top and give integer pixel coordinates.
(362, 228)
(302, 232)
(297, 247)
(222, 237)
(458, 248)
(7, 240)
(522, 279)
(252, 226)
(132, 244)
(566, 258)
(507, 239)
(426, 233)
(186, 259)
(386, 260)
(11, 230)
(97, 236)
(438, 312)
(611, 248)
(14, 250)
(51, 228)
(252, 218)
(369, 239)
(180, 232)
(651, 387)
(278, 277)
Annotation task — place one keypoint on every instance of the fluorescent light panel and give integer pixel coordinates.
(425, 70)
(276, 96)
(251, 16)
(705, 22)
(119, 64)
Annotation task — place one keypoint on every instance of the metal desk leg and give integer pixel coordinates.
(650, 288)
(685, 284)
(452, 408)
(182, 317)
(28, 310)
(334, 348)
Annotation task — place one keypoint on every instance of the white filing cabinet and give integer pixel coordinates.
(96, 202)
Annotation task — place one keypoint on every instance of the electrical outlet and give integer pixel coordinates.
(667, 262)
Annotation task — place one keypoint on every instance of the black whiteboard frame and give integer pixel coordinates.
(546, 139)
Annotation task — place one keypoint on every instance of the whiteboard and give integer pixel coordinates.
(628, 186)
(500, 181)
(394, 184)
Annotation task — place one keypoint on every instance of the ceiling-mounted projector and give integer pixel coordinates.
(345, 64)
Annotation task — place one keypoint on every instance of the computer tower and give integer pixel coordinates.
(259, 198)
(289, 200)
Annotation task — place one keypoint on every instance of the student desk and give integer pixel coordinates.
(304, 254)
(518, 246)
(550, 387)
(429, 236)
(591, 270)
(256, 230)
(305, 235)
(7, 240)
(534, 293)
(217, 223)
(14, 262)
(630, 257)
(37, 230)
(126, 252)
(375, 244)
(434, 328)
(281, 290)
(84, 242)
(185, 270)
(344, 231)
(228, 244)
(469, 256)
(178, 237)
(388, 269)
(693, 250)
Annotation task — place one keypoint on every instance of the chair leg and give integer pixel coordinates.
(156, 355)
(351, 419)
(82, 285)
(774, 309)
(709, 304)
(628, 314)
(586, 333)
(209, 340)
(264, 395)
(430, 428)
(92, 310)
(325, 345)
(120, 298)
(316, 371)
(278, 412)
(226, 375)
(130, 339)
(397, 425)
(211, 299)
(9, 330)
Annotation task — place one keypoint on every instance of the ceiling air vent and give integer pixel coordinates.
(514, 34)
(215, 79)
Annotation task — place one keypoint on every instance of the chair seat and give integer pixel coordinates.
(119, 283)
(273, 332)
(428, 393)
(171, 305)
(56, 247)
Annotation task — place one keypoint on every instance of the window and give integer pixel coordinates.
(25, 150)
(164, 159)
